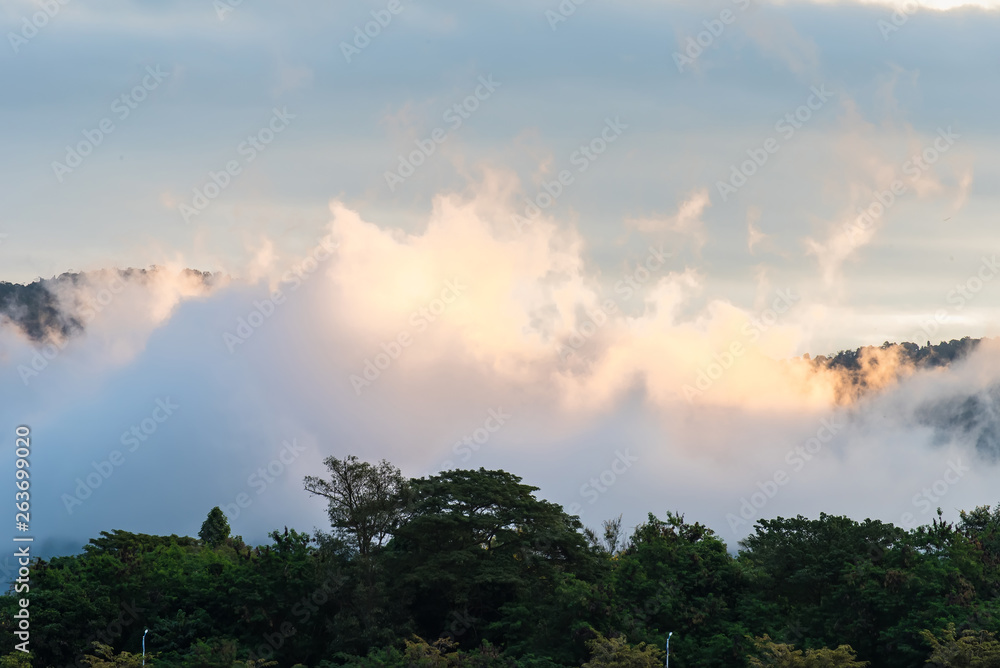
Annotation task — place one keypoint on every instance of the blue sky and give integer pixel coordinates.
(353, 119)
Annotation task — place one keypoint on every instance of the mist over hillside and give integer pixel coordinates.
(306, 358)
(61, 307)
(972, 416)
(40, 313)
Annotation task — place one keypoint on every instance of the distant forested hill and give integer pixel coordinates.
(860, 367)
(36, 309)
(921, 357)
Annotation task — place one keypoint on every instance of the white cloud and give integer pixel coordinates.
(686, 223)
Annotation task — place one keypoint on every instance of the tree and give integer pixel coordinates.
(780, 655)
(971, 649)
(221, 653)
(105, 657)
(16, 660)
(678, 576)
(617, 653)
(836, 581)
(367, 502)
(611, 541)
(481, 557)
(215, 528)
(981, 527)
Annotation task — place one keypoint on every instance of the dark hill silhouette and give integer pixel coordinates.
(35, 308)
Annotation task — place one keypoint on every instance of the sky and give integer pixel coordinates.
(582, 241)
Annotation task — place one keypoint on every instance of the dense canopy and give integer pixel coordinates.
(470, 568)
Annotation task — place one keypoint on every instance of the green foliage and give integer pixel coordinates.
(676, 576)
(504, 579)
(481, 557)
(970, 649)
(780, 655)
(16, 660)
(215, 528)
(617, 653)
(834, 581)
(105, 657)
(442, 653)
(366, 501)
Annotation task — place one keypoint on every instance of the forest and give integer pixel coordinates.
(471, 568)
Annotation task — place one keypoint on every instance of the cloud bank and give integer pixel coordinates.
(473, 342)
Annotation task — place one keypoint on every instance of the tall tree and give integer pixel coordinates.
(678, 576)
(831, 579)
(367, 502)
(481, 557)
(215, 528)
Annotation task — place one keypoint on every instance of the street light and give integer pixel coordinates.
(667, 664)
(144, 646)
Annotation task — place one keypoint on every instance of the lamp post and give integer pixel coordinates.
(144, 646)
(667, 664)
